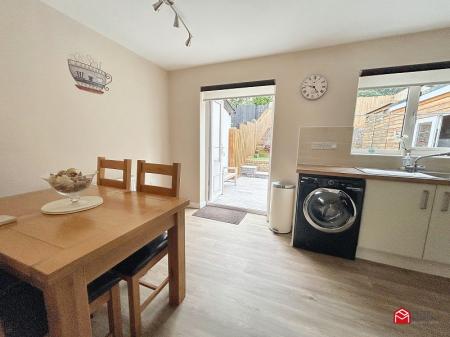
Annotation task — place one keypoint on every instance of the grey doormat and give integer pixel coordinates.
(221, 214)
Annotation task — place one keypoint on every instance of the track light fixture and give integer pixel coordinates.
(176, 23)
(157, 5)
(188, 41)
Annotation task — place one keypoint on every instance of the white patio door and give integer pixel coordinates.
(217, 151)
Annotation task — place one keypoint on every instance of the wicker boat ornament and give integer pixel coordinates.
(88, 74)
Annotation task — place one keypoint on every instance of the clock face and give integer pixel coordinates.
(314, 87)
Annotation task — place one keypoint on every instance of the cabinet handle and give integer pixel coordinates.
(445, 202)
(424, 200)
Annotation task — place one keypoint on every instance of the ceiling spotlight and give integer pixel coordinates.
(188, 41)
(157, 5)
(176, 22)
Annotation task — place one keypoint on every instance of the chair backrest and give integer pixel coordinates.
(121, 165)
(167, 170)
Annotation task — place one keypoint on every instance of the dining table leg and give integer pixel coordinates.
(176, 252)
(68, 307)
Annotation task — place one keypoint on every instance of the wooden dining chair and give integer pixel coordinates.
(121, 165)
(134, 268)
(23, 312)
(105, 290)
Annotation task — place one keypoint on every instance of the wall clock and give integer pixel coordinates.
(314, 87)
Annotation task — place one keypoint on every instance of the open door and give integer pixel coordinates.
(237, 124)
(217, 151)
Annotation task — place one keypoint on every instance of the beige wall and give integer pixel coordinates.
(46, 123)
(340, 64)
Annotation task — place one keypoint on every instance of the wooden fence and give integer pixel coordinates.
(378, 129)
(242, 142)
(247, 112)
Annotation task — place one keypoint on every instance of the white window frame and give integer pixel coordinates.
(437, 131)
(435, 127)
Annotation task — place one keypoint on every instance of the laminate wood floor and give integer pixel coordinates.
(246, 281)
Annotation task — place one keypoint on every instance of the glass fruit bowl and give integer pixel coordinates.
(70, 182)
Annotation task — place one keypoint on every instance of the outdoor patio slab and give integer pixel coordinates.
(248, 193)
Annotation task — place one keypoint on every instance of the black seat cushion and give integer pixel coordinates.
(134, 263)
(22, 309)
(7, 281)
(102, 284)
(22, 306)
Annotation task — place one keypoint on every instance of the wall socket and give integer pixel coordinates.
(323, 146)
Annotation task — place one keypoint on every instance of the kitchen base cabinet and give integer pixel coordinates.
(395, 217)
(437, 247)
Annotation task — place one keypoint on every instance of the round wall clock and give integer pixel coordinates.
(314, 87)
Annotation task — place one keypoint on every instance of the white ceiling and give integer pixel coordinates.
(235, 29)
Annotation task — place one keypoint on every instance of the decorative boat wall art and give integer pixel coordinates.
(88, 74)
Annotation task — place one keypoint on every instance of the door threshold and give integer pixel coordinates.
(248, 210)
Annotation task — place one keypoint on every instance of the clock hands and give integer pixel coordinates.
(314, 87)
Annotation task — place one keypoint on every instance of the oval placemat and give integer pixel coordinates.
(65, 206)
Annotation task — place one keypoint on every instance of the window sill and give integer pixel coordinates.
(375, 154)
(414, 153)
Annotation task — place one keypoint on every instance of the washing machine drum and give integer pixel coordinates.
(329, 210)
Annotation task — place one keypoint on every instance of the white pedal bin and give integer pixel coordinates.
(281, 207)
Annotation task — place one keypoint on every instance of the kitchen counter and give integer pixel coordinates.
(353, 172)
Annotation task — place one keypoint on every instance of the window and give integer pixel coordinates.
(385, 114)
(424, 132)
(379, 117)
(432, 127)
(443, 139)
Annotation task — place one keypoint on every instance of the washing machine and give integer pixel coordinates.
(328, 214)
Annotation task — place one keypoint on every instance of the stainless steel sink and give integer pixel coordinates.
(393, 173)
(399, 173)
(443, 175)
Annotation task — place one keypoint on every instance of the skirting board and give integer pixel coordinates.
(197, 205)
(423, 266)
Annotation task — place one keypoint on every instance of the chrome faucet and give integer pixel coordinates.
(415, 167)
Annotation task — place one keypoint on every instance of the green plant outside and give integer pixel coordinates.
(258, 100)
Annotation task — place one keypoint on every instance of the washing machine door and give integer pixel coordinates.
(329, 210)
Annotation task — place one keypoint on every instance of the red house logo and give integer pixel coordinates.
(402, 316)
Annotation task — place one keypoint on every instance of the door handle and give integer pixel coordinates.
(445, 202)
(424, 200)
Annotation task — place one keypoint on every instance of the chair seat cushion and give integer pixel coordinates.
(102, 284)
(7, 281)
(22, 307)
(134, 263)
(22, 310)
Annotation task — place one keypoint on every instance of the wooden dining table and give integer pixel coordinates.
(61, 254)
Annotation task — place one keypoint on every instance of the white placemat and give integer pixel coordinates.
(65, 206)
(7, 219)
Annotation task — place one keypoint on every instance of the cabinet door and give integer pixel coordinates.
(437, 247)
(395, 217)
